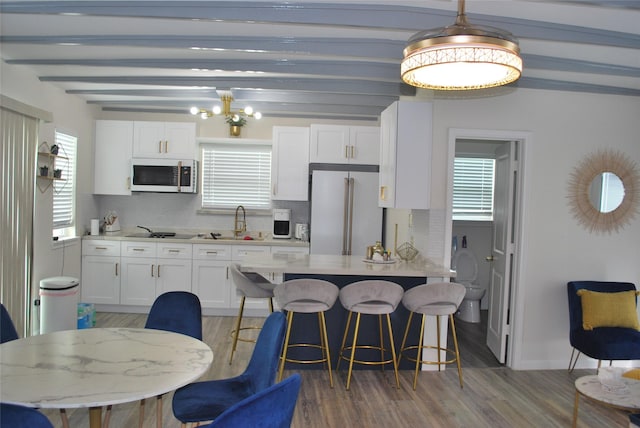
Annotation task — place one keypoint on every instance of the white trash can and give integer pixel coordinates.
(58, 304)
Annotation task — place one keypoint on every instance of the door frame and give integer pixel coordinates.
(517, 298)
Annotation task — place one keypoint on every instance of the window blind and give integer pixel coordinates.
(236, 175)
(64, 190)
(473, 183)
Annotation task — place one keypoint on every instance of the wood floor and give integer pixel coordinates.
(492, 396)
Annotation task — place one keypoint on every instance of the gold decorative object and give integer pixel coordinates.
(407, 252)
(461, 57)
(580, 188)
(234, 130)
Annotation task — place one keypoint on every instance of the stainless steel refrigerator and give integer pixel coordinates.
(345, 217)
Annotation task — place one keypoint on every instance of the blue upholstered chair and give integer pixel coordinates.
(21, 417)
(178, 312)
(205, 401)
(602, 343)
(270, 408)
(7, 329)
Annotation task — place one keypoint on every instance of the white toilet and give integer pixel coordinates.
(466, 266)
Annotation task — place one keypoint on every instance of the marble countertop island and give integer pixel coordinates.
(324, 264)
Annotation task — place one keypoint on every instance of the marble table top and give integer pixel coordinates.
(627, 397)
(323, 264)
(98, 366)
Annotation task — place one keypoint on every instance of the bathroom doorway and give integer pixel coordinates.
(490, 338)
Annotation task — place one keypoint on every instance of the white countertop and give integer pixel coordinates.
(321, 264)
(268, 240)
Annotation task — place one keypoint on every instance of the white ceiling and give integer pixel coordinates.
(305, 58)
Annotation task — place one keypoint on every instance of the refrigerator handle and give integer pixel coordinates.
(345, 220)
(350, 229)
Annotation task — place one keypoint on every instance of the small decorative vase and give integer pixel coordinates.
(234, 130)
(54, 149)
(57, 173)
(44, 171)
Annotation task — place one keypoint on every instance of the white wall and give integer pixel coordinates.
(565, 127)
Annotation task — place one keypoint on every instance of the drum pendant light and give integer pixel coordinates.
(461, 57)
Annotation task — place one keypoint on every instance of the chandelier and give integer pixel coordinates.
(461, 56)
(232, 117)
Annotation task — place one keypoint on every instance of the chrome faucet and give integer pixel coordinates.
(240, 226)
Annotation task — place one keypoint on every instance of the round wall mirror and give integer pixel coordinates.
(604, 191)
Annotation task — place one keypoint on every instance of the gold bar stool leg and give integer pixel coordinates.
(419, 352)
(353, 350)
(393, 351)
(381, 342)
(236, 332)
(286, 345)
(404, 338)
(325, 345)
(344, 339)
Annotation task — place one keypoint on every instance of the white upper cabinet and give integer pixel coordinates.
(344, 144)
(112, 154)
(405, 155)
(290, 163)
(175, 140)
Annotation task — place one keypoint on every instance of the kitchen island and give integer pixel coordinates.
(344, 270)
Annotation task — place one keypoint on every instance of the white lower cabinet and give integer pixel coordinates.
(210, 278)
(101, 272)
(150, 269)
(134, 273)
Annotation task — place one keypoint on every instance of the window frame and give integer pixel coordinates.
(208, 203)
(65, 190)
(477, 212)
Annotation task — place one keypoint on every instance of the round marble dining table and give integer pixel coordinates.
(97, 367)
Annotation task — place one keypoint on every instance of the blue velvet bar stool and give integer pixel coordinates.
(369, 297)
(306, 296)
(436, 299)
(253, 286)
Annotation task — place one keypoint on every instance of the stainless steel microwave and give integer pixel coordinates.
(164, 175)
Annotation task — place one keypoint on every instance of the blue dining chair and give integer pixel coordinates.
(206, 400)
(15, 416)
(7, 329)
(178, 312)
(269, 408)
(602, 343)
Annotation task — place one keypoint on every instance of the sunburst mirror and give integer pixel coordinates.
(604, 191)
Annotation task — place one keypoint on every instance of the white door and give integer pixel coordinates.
(502, 249)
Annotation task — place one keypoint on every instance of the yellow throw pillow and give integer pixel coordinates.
(632, 374)
(608, 309)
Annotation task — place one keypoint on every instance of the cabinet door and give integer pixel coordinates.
(138, 282)
(210, 282)
(112, 157)
(180, 140)
(173, 275)
(290, 164)
(148, 139)
(174, 140)
(386, 177)
(100, 279)
(364, 145)
(329, 144)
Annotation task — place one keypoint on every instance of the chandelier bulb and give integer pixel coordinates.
(194, 110)
(248, 110)
(203, 115)
(217, 109)
(257, 115)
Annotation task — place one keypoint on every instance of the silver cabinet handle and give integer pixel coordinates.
(152, 271)
(101, 248)
(117, 269)
(158, 271)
